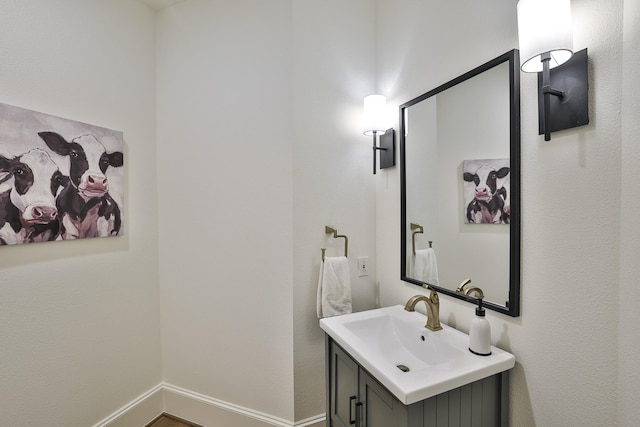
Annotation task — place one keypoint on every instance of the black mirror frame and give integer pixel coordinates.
(512, 307)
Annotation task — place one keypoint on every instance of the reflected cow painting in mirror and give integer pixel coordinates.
(59, 179)
(486, 192)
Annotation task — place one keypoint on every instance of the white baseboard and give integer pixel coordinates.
(139, 412)
(195, 407)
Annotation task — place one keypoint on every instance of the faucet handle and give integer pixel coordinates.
(464, 283)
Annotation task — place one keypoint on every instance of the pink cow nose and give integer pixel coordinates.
(482, 193)
(97, 183)
(44, 213)
(97, 180)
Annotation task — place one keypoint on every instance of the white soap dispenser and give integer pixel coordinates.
(480, 333)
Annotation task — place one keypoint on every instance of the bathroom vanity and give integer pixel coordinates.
(385, 369)
(356, 398)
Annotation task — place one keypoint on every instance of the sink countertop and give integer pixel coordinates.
(383, 338)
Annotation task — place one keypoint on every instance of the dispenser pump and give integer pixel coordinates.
(480, 308)
(480, 333)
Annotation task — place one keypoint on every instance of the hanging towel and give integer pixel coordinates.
(334, 287)
(425, 266)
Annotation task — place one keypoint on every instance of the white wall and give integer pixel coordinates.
(225, 201)
(231, 80)
(566, 341)
(262, 101)
(629, 314)
(79, 320)
(333, 69)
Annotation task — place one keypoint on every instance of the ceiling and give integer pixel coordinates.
(160, 4)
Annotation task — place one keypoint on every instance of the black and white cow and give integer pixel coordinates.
(28, 187)
(490, 202)
(85, 207)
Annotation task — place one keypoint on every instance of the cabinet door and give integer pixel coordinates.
(380, 408)
(344, 388)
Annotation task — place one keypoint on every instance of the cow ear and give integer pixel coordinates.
(116, 159)
(502, 172)
(468, 176)
(58, 180)
(4, 164)
(55, 142)
(5, 175)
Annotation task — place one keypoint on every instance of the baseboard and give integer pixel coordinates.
(196, 407)
(139, 411)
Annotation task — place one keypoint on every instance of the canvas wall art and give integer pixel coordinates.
(59, 179)
(486, 193)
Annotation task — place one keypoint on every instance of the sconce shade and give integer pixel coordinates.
(544, 26)
(374, 117)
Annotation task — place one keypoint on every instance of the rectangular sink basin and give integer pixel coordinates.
(411, 361)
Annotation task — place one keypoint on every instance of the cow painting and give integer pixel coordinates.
(85, 207)
(60, 179)
(487, 191)
(30, 183)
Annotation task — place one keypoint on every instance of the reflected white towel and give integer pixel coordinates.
(334, 287)
(425, 266)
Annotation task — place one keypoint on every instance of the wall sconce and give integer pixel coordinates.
(546, 42)
(374, 123)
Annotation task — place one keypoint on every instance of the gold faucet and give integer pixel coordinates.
(433, 308)
(466, 291)
(460, 288)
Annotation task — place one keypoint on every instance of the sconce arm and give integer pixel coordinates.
(547, 91)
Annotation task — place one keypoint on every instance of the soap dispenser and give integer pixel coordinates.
(480, 333)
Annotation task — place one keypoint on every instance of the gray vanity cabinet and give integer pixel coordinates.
(351, 386)
(355, 398)
(344, 393)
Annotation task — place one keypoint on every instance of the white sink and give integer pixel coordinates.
(388, 340)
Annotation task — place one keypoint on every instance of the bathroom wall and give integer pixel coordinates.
(333, 70)
(629, 315)
(231, 79)
(79, 320)
(258, 107)
(579, 238)
(225, 201)
(259, 147)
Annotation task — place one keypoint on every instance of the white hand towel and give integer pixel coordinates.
(425, 266)
(334, 287)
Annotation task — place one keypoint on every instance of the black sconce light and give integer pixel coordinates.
(374, 123)
(546, 42)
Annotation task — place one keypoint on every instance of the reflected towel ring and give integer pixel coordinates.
(418, 230)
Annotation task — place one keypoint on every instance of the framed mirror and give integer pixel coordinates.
(460, 186)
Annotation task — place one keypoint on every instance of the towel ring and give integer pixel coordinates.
(332, 230)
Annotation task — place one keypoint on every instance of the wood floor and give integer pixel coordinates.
(166, 420)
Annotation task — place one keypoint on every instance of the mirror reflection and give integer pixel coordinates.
(460, 161)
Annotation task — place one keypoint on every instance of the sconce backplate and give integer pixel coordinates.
(388, 155)
(572, 109)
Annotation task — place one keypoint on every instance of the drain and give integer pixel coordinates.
(403, 368)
